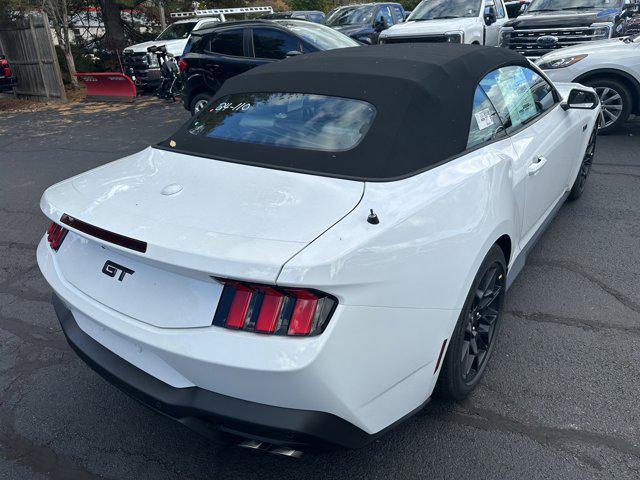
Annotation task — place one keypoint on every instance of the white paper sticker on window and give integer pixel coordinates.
(483, 119)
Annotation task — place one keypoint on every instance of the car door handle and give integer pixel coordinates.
(537, 165)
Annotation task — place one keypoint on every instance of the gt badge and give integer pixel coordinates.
(111, 269)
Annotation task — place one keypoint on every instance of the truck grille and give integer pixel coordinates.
(537, 42)
(416, 39)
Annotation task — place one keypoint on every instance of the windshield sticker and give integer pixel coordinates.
(483, 119)
(517, 94)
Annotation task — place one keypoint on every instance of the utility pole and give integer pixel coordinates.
(163, 22)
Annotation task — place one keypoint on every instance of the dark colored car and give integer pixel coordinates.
(547, 25)
(365, 22)
(6, 78)
(231, 48)
(315, 16)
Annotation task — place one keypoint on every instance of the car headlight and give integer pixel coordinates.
(602, 30)
(505, 36)
(456, 36)
(559, 62)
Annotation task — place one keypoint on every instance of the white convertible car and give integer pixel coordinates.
(306, 260)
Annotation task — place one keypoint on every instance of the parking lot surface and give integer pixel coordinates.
(560, 398)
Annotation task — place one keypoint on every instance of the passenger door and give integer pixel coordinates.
(270, 44)
(543, 135)
(492, 32)
(225, 55)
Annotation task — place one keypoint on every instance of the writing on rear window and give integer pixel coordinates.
(234, 107)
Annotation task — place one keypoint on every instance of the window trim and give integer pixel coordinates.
(281, 30)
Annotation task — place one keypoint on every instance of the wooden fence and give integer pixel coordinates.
(28, 46)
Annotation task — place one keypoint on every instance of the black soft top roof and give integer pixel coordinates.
(423, 94)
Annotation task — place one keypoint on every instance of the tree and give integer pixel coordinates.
(113, 25)
(59, 17)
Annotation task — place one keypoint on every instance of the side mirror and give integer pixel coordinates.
(293, 53)
(490, 15)
(581, 100)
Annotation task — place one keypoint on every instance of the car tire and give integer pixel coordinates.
(199, 102)
(615, 99)
(477, 327)
(585, 168)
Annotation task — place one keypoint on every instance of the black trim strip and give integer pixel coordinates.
(102, 234)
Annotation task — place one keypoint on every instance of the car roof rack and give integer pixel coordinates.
(223, 11)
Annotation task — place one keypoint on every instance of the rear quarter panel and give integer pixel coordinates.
(435, 229)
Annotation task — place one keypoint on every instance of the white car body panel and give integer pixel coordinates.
(400, 284)
(613, 55)
(124, 196)
(472, 27)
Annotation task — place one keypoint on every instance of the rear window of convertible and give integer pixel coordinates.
(290, 120)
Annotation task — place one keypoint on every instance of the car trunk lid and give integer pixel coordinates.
(199, 218)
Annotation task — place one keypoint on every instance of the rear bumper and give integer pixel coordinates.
(206, 411)
(371, 367)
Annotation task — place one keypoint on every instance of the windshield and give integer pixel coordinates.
(555, 5)
(294, 120)
(435, 9)
(321, 37)
(177, 31)
(351, 16)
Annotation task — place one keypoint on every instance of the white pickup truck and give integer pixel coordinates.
(144, 67)
(453, 21)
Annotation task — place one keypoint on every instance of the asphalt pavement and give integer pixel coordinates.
(560, 399)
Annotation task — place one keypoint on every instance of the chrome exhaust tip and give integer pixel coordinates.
(267, 447)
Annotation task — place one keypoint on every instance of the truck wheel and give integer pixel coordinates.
(616, 103)
(200, 102)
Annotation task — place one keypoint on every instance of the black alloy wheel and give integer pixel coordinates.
(585, 167)
(474, 336)
(481, 322)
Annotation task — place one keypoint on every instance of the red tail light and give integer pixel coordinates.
(7, 72)
(183, 65)
(273, 310)
(55, 235)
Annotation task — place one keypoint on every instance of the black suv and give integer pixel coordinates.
(215, 54)
(547, 25)
(364, 22)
